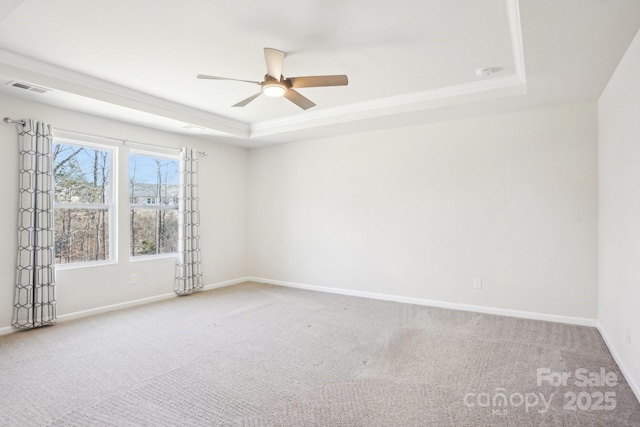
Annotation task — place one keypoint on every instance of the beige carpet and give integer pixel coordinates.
(259, 355)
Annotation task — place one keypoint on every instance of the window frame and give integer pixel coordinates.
(159, 155)
(111, 207)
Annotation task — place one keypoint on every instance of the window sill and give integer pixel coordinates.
(152, 257)
(87, 264)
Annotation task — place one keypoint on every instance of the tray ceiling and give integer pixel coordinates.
(137, 60)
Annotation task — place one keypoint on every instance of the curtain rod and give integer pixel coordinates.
(124, 141)
(17, 122)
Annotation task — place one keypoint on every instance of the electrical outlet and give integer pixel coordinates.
(134, 279)
(629, 335)
(290, 265)
(477, 282)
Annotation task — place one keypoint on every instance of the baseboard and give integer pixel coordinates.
(582, 321)
(113, 307)
(119, 306)
(226, 283)
(633, 384)
(142, 301)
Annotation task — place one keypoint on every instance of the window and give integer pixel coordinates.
(154, 183)
(83, 201)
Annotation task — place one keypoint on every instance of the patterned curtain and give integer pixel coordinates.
(188, 274)
(35, 296)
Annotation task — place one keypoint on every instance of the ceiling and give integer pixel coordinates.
(408, 62)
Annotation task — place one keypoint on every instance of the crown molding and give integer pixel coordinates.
(451, 95)
(513, 16)
(62, 79)
(65, 80)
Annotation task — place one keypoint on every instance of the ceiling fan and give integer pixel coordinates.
(275, 84)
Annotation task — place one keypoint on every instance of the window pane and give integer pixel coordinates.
(153, 181)
(154, 231)
(81, 174)
(81, 235)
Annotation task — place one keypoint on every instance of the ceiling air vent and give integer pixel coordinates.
(29, 87)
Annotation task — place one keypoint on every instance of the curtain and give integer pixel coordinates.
(35, 296)
(188, 274)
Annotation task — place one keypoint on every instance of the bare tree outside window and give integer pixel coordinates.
(154, 183)
(83, 202)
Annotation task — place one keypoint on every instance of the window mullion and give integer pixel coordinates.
(157, 207)
(82, 205)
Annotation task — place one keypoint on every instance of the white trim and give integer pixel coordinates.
(581, 321)
(153, 206)
(62, 79)
(154, 154)
(113, 307)
(498, 87)
(80, 138)
(226, 283)
(139, 258)
(95, 206)
(57, 78)
(513, 10)
(633, 384)
(85, 264)
(142, 301)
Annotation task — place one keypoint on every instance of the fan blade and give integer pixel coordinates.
(298, 99)
(248, 100)
(316, 81)
(274, 59)
(203, 76)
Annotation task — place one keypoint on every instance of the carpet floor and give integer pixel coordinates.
(261, 355)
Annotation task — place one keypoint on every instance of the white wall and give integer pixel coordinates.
(223, 198)
(619, 225)
(420, 211)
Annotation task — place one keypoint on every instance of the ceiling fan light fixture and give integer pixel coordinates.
(276, 85)
(274, 89)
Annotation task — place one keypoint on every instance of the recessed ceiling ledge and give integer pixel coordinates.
(61, 79)
(511, 85)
